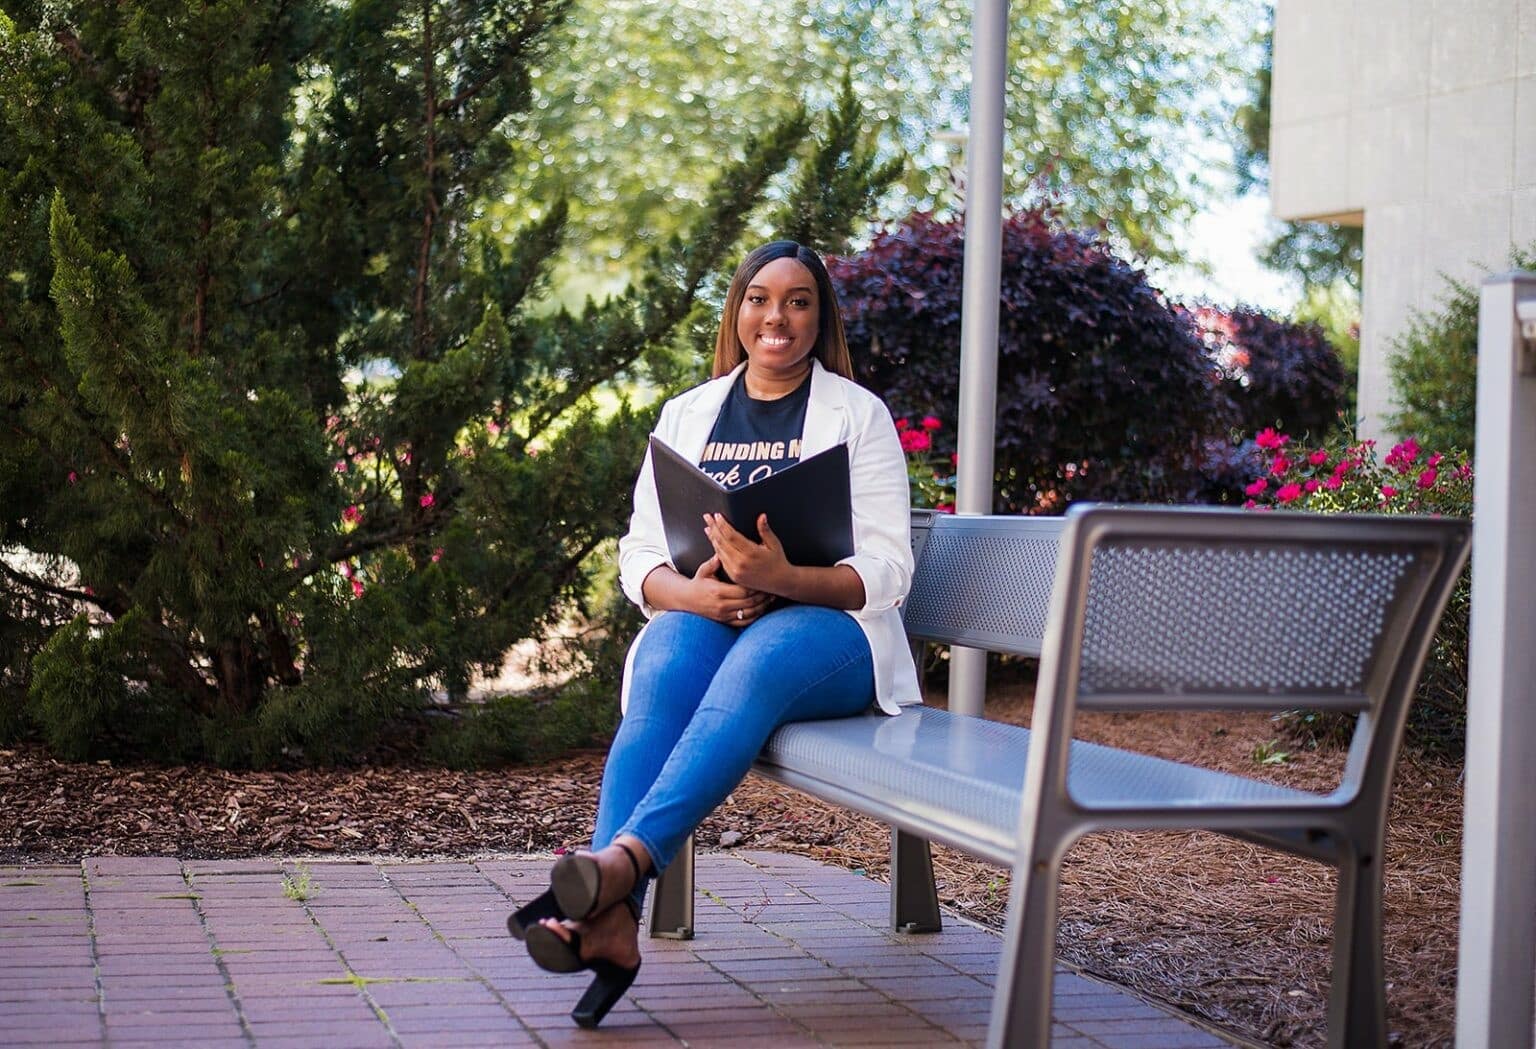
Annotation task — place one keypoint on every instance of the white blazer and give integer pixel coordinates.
(839, 411)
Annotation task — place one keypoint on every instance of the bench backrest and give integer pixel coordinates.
(1186, 608)
(984, 582)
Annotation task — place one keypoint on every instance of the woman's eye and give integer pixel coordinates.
(757, 300)
(801, 303)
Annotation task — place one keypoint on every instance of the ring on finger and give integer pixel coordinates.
(740, 615)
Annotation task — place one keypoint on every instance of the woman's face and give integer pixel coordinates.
(779, 318)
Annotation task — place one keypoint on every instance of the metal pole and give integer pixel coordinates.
(1494, 988)
(979, 306)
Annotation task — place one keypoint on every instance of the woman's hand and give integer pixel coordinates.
(759, 566)
(728, 603)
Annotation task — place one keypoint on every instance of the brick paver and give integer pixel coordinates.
(130, 951)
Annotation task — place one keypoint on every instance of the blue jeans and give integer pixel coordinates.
(704, 698)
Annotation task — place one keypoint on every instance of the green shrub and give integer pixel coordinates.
(1345, 476)
(1433, 363)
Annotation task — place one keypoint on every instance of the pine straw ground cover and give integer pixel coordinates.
(1220, 928)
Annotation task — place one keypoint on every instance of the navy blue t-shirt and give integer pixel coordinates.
(754, 439)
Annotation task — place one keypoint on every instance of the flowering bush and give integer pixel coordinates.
(1346, 476)
(931, 473)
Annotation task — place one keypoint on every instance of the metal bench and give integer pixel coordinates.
(1138, 609)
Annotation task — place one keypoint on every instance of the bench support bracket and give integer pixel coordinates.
(914, 896)
(672, 899)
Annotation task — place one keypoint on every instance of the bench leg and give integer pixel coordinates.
(672, 898)
(1021, 1003)
(1357, 1003)
(914, 896)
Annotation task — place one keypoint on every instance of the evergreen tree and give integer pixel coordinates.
(287, 436)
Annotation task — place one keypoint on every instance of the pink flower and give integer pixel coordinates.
(493, 428)
(1280, 465)
(915, 441)
(88, 591)
(954, 458)
(352, 514)
(1318, 458)
(902, 424)
(1402, 456)
(945, 508)
(1434, 460)
(931, 422)
(341, 466)
(73, 477)
(1310, 486)
(427, 500)
(345, 570)
(1249, 504)
(357, 588)
(1269, 439)
(1428, 477)
(1388, 491)
(1463, 471)
(437, 555)
(1288, 493)
(1335, 483)
(1343, 467)
(1257, 488)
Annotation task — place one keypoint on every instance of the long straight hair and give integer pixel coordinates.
(831, 347)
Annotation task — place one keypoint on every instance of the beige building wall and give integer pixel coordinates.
(1418, 119)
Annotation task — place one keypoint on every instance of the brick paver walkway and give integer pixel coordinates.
(127, 952)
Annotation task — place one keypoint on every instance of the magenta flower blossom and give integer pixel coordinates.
(352, 515)
(357, 588)
(1428, 477)
(1280, 465)
(1269, 440)
(1318, 458)
(902, 424)
(427, 500)
(437, 555)
(1335, 483)
(1403, 456)
(73, 477)
(341, 466)
(915, 441)
(945, 508)
(345, 570)
(1310, 486)
(1258, 487)
(1388, 491)
(931, 422)
(1288, 493)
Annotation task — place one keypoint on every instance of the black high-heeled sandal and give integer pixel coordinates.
(609, 979)
(577, 882)
(534, 911)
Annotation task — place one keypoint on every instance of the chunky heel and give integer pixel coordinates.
(577, 882)
(609, 982)
(534, 911)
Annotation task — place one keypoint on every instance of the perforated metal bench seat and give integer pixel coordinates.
(971, 776)
(1138, 608)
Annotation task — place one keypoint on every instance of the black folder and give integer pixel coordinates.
(809, 507)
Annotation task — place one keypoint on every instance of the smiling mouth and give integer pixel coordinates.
(775, 341)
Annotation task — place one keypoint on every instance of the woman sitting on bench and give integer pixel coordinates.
(721, 664)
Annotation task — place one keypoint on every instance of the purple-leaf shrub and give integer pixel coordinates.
(1278, 373)
(1103, 390)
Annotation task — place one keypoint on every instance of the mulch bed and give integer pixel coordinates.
(1220, 928)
